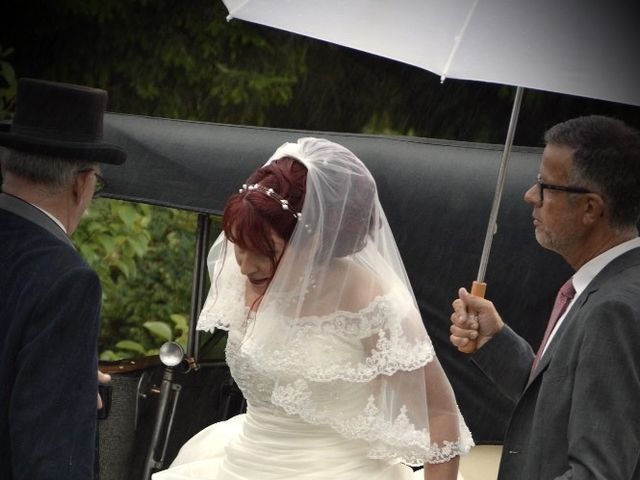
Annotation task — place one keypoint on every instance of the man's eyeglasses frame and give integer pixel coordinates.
(561, 188)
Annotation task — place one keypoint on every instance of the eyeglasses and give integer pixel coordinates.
(561, 188)
(100, 181)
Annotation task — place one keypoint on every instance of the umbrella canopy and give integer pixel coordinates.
(579, 47)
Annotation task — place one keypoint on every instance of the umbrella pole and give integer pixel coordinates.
(479, 287)
(502, 175)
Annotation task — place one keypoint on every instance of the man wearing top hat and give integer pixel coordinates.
(49, 297)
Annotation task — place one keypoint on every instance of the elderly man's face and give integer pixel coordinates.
(557, 218)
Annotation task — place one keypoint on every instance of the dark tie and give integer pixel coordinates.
(563, 299)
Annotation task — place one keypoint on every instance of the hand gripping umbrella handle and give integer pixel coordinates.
(478, 289)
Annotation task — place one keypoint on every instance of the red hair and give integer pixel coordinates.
(251, 216)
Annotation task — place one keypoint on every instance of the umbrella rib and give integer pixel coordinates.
(456, 42)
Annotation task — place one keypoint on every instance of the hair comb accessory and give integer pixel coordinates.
(284, 203)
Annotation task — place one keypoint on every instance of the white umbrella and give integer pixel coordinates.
(581, 47)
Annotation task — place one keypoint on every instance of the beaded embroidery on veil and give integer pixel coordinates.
(338, 335)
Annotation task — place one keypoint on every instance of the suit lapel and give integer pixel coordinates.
(553, 345)
(29, 212)
(624, 261)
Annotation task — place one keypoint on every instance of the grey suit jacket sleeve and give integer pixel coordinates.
(506, 361)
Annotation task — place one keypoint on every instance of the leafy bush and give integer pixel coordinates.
(144, 256)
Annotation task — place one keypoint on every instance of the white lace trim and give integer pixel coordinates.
(392, 353)
(387, 439)
(380, 322)
(361, 324)
(224, 306)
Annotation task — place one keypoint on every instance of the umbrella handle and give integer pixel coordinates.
(478, 289)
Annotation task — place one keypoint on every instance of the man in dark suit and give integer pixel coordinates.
(577, 404)
(49, 297)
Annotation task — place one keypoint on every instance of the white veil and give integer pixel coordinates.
(338, 330)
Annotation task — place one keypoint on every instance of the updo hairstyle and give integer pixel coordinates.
(251, 216)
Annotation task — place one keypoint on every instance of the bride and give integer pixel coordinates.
(325, 337)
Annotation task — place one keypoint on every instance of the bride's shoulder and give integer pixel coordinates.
(360, 286)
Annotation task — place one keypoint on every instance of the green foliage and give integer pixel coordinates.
(159, 329)
(144, 257)
(111, 237)
(162, 58)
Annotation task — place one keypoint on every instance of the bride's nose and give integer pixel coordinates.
(248, 265)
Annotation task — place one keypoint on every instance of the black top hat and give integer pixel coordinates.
(61, 120)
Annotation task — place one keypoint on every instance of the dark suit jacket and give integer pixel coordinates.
(579, 416)
(49, 320)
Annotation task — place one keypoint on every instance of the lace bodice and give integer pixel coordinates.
(328, 376)
(256, 387)
(264, 373)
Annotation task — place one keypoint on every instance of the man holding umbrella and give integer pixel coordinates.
(49, 297)
(576, 401)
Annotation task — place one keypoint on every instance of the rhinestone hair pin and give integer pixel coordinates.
(284, 203)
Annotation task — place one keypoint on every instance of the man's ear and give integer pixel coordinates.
(79, 185)
(594, 208)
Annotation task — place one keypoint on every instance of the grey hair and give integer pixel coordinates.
(53, 173)
(606, 159)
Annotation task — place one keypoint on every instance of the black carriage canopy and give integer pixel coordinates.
(436, 194)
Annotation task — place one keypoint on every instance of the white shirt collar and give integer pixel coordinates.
(589, 270)
(583, 277)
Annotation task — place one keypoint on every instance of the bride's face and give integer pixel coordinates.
(257, 267)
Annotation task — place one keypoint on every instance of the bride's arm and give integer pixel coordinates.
(442, 471)
(443, 420)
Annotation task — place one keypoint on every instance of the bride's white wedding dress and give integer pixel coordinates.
(267, 443)
(340, 376)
